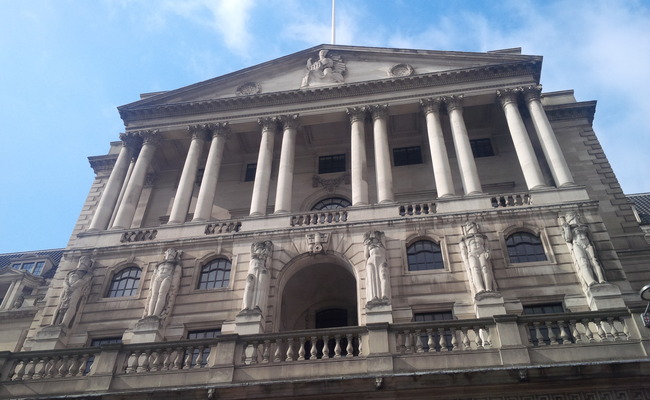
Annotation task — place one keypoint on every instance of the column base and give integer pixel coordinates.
(539, 187)
(474, 193)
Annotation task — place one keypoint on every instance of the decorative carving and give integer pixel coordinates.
(290, 121)
(164, 285)
(317, 242)
(131, 139)
(533, 92)
(151, 137)
(377, 271)
(248, 89)
(399, 70)
(75, 288)
(577, 236)
(258, 279)
(220, 129)
(324, 70)
(475, 251)
(507, 96)
(268, 123)
(222, 227)
(379, 111)
(138, 236)
(330, 184)
(431, 105)
(357, 113)
(198, 131)
(454, 102)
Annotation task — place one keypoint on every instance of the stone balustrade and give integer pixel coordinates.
(412, 209)
(168, 357)
(138, 236)
(511, 200)
(222, 227)
(51, 365)
(319, 218)
(441, 336)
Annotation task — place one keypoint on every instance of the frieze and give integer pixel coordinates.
(248, 89)
(330, 184)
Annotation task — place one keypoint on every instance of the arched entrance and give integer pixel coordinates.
(319, 291)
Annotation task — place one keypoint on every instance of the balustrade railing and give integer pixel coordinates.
(138, 236)
(416, 209)
(321, 344)
(222, 227)
(319, 218)
(49, 365)
(172, 356)
(441, 336)
(511, 200)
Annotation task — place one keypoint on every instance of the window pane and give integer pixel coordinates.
(332, 203)
(424, 255)
(407, 156)
(525, 247)
(481, 148)
(250, 172)
(124, 283)
(215, 274)
(333, 163)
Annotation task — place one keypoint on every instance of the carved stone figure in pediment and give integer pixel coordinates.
(475, 250)
(164, 284)
(75, 287)
(257, 282)
(577, 236)
(324, 70)
(377, 271)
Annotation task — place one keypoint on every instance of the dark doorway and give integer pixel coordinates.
(331, 318)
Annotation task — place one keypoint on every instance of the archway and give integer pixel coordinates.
(319, 292)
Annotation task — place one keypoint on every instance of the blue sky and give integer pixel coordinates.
(65, 65)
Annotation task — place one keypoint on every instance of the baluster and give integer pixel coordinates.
(199, 358)
(277, 356)
(486, 336)
(626, 332)
(143, 362)
(443, 340)
(167, 359)
(289, 350)
(551, 335)
(49, 367)
(29, 369)
(349, 349)
(431, 341)
(337, 347)
(409, 209)
(599, 329)
(564, 334)
(189, 354)
(419, 347)
(588, 332)
(511, 201)
(465, 338)
(19, 371)
(73, 367)
(529, 335)
(254, 352)
(243, 352)
(178, 361)
(360, 345)
(538, 334)
(345, 216)
(63, 368)
(574, 331)
(156, 360)
(454, 339)
(82, 364)
(39, 369)
(266, 352)
(313, 352)
(478, 339)
(613, 331)
(407, 342)
(301, 350)
(401, 211)
(326, 347)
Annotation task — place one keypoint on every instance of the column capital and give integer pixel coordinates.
(379, 111)
(291, 121)
(198, 131)
(454, 102)
(131, 140)
(357, 113)
(268, 123)
(220, 129)
(150, 136)
(532, 92)
(431, 105)
(507, 96)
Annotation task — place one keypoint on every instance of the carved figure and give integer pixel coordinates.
(325, 69)
(377, 272)
(475, 251)
(257, 281)
(163, 279)
(576, 234)
(75, 287)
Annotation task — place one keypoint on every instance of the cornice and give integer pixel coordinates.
(584, 109)
(102, 163)
(133, 113)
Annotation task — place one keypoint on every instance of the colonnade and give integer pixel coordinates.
(124, 186)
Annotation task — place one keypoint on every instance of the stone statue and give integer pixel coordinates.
(324, 70)
(164, 283)
(257, 282)
(377, 272)
(576, 234)
(75, 287)
(475, 250)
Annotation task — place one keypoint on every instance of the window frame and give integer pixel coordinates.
(441, 241)
(330, 209)
(36, 264)
(407, 156)
(206, 262)
(523, 244)
(423, 240)
(134, 291)
(474, 144)
(331, 156)
(541, 267)
(247, 168)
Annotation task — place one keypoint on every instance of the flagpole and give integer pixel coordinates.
(333, 32)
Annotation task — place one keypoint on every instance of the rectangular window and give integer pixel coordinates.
(333, 163)
(435, 316)
(34, 268)
(407, 156)
(481, 148)
(250, 172)
(202, 334)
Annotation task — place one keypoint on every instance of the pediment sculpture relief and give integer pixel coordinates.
(327, 69)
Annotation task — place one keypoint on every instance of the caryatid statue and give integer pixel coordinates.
(257, 282)
(75, 287)
(377, 271)
(475, 250)
(576, 234)
(164, 282)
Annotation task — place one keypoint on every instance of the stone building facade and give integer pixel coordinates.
(348, 221)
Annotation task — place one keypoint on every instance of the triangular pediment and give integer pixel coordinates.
(347, 65)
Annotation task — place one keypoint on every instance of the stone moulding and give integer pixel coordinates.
(584, 109)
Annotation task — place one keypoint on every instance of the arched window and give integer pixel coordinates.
(331, 203)
(423, 255)
(215, 274)
(525, 247)
(124, 283)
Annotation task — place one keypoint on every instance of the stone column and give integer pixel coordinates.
(188, 176)
(114, 185)
(359, 159)
(468, 172)
(383, 171)
(523, 147)
(439, 158)
(284, 193)
(220, 133)
(264, 163)
(550, 146)
(126, 211)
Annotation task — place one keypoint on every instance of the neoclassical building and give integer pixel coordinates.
(348, 222)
